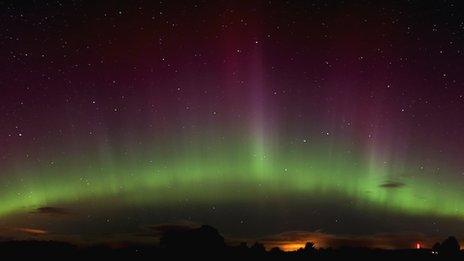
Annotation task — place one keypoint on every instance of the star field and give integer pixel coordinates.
(257, 117)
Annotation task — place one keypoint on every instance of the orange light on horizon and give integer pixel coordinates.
(288, 246)
(292, 246)
(418, 245)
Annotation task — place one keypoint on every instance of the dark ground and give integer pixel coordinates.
(206, 242)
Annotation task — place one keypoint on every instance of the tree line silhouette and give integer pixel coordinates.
(206, 242)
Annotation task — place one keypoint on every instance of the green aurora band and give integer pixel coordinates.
(229, 170)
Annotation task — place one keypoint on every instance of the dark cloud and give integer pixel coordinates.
(54, 211)
(392, 184)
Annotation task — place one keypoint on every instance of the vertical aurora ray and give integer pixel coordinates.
(259, 148)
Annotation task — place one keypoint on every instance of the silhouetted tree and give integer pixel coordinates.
(309, 247)
(449, 246)
(197, 239)
(258, 248)
(275, 251)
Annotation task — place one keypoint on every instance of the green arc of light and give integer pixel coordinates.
(220, 170)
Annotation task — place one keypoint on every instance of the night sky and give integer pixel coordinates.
(282, 121)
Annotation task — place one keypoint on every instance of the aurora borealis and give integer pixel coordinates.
(256, 117)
